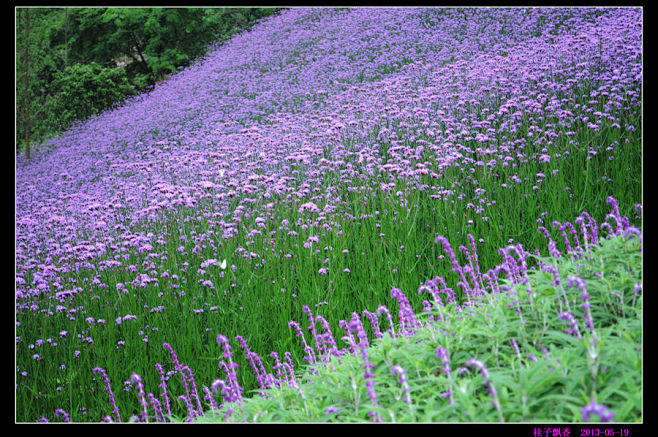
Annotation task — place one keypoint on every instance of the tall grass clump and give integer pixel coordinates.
(290, 193)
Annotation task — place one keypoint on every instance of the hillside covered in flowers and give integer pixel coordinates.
(319, 161)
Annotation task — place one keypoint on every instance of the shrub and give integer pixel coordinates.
(84, 90)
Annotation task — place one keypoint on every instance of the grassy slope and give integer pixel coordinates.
(153, 266)
(547, 375)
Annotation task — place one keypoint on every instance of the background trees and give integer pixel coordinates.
(72, 63)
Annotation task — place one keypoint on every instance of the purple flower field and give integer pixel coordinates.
(325, 157)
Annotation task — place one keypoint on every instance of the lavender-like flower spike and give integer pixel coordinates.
(264, 379)
(356, 328)
(401, 374)
(565, 238)
(217, 385)
(431, 288)
(487, 383)
(553, 250)
(573, 232)
(157, 408)
(326, 339)
(383, 309)
(348, 338)
(453, 260)
(310, 353)
(277, 367)
(573, 324)
(137, 380)
(311, 321)
(589, 321)
(374, 323)
(474, 256)
(291, 368)
(600, 410)
(408, 323)
(108, 389)
(179, 368)
(189, 376)
(588, 229)
(234, 390)
(473, 269)
(208, 397)
(615, 215)
(443, 355)
(163, 386)
(552, 246)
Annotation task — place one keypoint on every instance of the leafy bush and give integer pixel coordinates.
(83, 90)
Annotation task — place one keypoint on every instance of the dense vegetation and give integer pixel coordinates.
(583, 365)
(72, 63)
(326, 170)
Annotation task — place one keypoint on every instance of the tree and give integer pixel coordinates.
(84, 90)
(154, 41)
(26, 79)
(41, 52)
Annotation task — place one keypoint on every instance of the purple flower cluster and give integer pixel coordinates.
(408, 322)
(595, 409)
(265, 380)
(231, 389)
(137, 380)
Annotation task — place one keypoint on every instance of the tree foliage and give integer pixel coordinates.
(83, 90)
(71, 45)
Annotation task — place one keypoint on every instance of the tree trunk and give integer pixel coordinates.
(66, 37)
(143, 63)
(26, 79)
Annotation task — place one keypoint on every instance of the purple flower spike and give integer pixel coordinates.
(181, 371)
(589, 321)
(484, 372)
(408, 323)
(447, 248)
(443, 355)
(108, 389)
(600, 410)
(157, 408)
(233, 390)
(401, 374)
(383, 309)
(356, 328)
(310, 353)
(137, 380)
(163, 386)
(573, 324)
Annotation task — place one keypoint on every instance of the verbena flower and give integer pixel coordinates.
(65, 417)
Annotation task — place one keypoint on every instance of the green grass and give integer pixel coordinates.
(531, 385)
